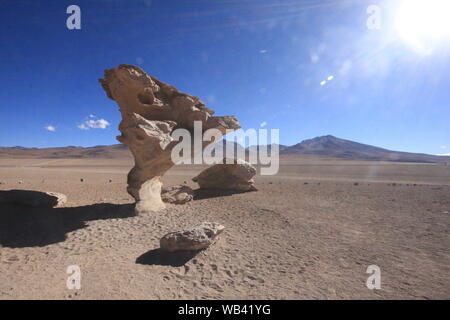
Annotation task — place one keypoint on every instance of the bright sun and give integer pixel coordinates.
(421, 22)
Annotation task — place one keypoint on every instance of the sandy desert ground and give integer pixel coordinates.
(308, 233)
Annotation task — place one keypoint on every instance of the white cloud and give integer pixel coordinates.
(443, 147)
(324, 82)
(93, 124)
(82, 127)
(314, 58)
(98, 124)
(50, 128)
(345, 68)
(263, 124)
(263, 51)
(444, 155)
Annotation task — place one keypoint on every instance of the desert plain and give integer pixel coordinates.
(309, 232)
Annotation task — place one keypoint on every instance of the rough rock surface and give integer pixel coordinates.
(33, 198)
(177, 194)
(235, 176)
(151, 110)
(196, 238)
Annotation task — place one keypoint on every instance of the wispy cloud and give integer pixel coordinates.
(93, 123)
(50, 128)
(82, 126)
(444, 148)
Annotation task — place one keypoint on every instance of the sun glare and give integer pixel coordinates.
(421, 22)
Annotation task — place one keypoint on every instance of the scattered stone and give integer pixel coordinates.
(177, 194)
(305, 183)
(110, 180)
(356, 184)
(33, 198)
(20, 181)
(195, 238)
(235, 176)
(151, 111)
(82, 180)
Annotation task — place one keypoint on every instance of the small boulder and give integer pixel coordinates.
(196, 238)
(234, 176)
(33, 198)
(177, 194)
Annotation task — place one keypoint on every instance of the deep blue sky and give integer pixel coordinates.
(262, 61)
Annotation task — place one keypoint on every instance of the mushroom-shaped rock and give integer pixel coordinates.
(32, 198)
(177, 194)
(195, 238)
(233, 174)
(151, 110)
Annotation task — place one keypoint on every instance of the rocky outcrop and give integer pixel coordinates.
(151, 110)
(195, 238)
(235, 176)
(177, 194)
(31, 198)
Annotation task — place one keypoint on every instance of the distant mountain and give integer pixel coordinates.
(281, 148)
(113, 151)
(339, 148)
(326, 146)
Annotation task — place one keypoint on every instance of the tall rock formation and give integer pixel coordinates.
(151, 110)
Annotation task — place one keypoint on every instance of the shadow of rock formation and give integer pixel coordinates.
(163, 258)
(200, 194)
(30, 227)
(32, 198)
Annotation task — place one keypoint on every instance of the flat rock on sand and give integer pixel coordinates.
(235, 175)
(196, 238)
(33, 198)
